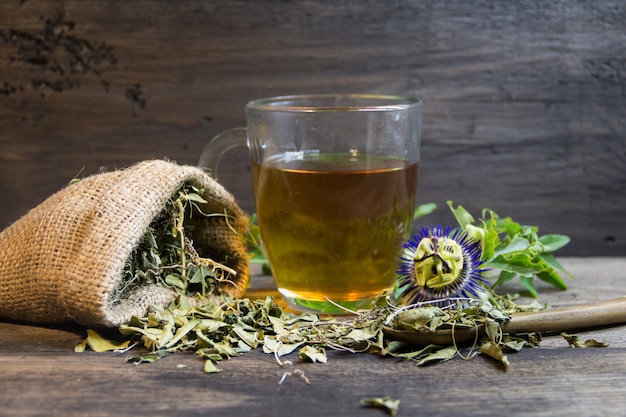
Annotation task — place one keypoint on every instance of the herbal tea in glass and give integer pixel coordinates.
(335, 177)
(333, 225)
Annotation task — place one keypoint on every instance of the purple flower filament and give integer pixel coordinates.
(439, 265)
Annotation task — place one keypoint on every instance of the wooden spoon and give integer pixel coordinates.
(584, 316)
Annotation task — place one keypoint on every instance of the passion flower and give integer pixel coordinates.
(439, 266)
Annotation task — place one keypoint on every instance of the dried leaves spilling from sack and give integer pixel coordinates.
(217, 327)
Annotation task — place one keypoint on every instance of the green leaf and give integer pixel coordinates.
(463, 217)
(491, 239)
(513, 248)
(504, 276)
(552, 277)
(553, 242)
(423, 210)
(505, 265)
(527, 282)
(549, 259)
(510, 227)
(517, 244)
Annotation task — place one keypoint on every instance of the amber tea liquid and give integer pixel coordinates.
(333, 225)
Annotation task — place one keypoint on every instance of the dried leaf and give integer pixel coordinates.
(195, 198)
(387, 403)
(98, 343)
(148, 357)
(209, 354)
(575, 342)
(514, 344)
(441, 354)
(80, 346)
(416, 318)
(493, 350)
(360, 335)
(492, 329)
(595, 343)
(182, 332)
(534, 339)
(175, 281)
(250, 338)
(210, 325)
(313, 354)
(271, 345)
(210, 368)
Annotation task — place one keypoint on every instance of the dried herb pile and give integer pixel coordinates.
(166, 255)
(217, 327)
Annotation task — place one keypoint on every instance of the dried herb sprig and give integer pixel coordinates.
(514, 249)
(165, 255)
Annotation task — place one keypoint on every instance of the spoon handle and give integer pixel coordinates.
(585, 316)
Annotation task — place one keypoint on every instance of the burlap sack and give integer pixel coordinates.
(63, 259)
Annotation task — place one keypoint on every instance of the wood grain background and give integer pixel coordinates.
(525, 101)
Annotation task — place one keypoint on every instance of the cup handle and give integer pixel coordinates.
(219, 145)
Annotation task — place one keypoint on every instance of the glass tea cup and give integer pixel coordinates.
(335, 180)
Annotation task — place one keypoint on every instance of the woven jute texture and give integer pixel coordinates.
(63, 259)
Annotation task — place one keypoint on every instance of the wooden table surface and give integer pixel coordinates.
(40, 374)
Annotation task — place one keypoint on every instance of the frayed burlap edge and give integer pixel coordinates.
(63, 260)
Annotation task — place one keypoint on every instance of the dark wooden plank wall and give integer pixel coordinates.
(525, 101)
